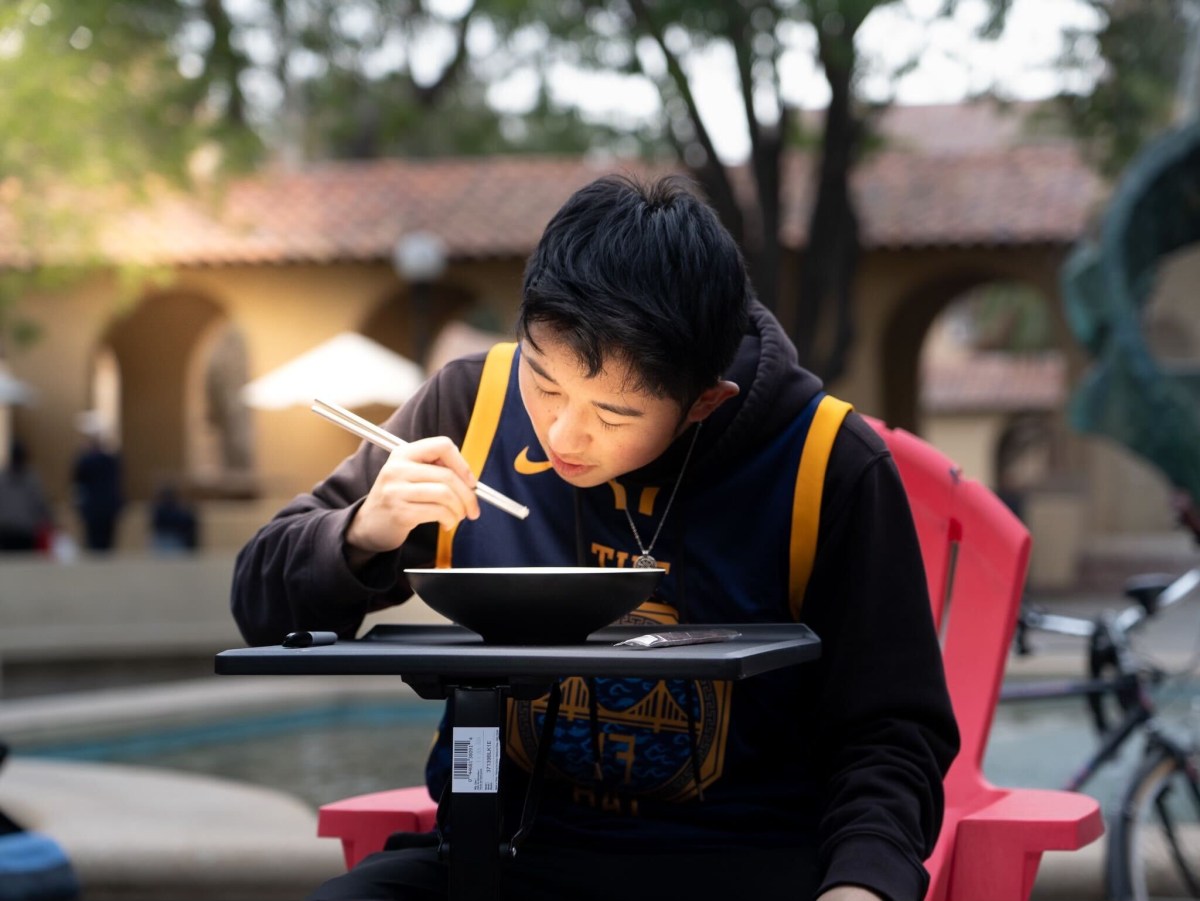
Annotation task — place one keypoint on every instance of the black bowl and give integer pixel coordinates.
(534, 604)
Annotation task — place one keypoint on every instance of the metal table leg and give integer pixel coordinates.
(474, 846)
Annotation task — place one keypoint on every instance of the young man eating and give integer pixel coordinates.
(653, 412)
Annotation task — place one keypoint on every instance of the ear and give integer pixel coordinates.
(710, 399)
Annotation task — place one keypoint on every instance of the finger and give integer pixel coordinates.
(427, 479)
(438, 460)
(443, 452)
(416, 511)
(391, 511)
(450, 496)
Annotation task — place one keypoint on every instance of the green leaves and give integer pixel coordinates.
(92, 93)
(1139, 49)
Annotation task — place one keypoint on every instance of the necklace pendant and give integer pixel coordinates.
(644, 561)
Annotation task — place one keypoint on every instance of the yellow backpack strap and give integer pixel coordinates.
(806, 502)
(481, 430)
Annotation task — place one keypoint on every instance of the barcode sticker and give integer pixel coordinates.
(475, 759)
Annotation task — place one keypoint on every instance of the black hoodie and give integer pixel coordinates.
(846, 753)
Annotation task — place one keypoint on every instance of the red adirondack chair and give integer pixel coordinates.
(364, 822)
(976, 553)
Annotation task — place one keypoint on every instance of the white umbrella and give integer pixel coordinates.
(349, 370)
(12, 389)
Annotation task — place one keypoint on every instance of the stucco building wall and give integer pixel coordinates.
(278, 312)
(160, 334)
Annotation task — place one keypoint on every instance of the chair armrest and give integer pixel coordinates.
(998, 848)
(364, 822)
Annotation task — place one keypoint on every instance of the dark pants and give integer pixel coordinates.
(539, 873)
(17, 540)
(99, 532)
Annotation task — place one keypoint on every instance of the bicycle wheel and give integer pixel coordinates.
(1157, 833)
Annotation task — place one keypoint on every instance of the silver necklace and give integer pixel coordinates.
(644, 560)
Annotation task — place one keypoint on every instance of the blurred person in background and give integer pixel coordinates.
(96, 478)
(25, 517)
(173, 526)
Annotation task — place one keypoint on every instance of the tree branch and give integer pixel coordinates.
(224, 61)
(712, 175)
(428, 95)
(831, 255)
(766, 145)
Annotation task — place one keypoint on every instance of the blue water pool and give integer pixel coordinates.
(320, 753)
(329, 751)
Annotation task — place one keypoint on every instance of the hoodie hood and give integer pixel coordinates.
(773, 388)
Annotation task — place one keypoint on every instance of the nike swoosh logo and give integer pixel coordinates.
(527, 467)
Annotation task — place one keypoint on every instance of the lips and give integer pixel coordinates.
(566, 469)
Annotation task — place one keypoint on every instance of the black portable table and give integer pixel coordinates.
(450, 661)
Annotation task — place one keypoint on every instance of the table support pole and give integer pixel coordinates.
(474, 847)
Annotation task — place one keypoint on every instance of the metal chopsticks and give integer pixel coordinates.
(380, 437)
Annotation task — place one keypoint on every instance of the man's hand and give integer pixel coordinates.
(849, 893)
(425, 481)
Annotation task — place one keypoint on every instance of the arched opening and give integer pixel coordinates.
(1026, 458)
(391, 323)
(105, 402)
(903, 339)
(991, 377)
(146, 375)
(993, 387)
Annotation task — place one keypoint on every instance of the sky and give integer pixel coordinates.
(952, 65)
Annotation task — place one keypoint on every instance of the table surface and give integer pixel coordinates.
(420, 650)
(438, 660)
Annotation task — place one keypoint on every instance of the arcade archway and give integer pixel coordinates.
(172, 352)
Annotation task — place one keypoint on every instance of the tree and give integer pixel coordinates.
(665, 42)
(329, 79)
(203, 85)
(1140, 48)
(105, 102)
(94, 113)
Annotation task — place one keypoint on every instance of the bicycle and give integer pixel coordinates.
(1153, 843)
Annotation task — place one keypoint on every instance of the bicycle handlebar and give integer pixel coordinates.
(1058, 623)
(1123, 622)
(1178, 590)
(1117, 674)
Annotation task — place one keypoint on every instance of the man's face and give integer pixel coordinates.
(591, 429)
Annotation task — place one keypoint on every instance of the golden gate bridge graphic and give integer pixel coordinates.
(658, 711)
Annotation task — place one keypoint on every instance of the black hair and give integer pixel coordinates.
(644, 272)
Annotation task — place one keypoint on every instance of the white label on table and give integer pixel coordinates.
(476, 759)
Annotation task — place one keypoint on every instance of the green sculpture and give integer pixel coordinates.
(1126, 395)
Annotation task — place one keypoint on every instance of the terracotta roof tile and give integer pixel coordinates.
(1023, 195)
(990, 382)
(492, 206)
(969, 194)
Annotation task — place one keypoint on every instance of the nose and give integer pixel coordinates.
(567, 436)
